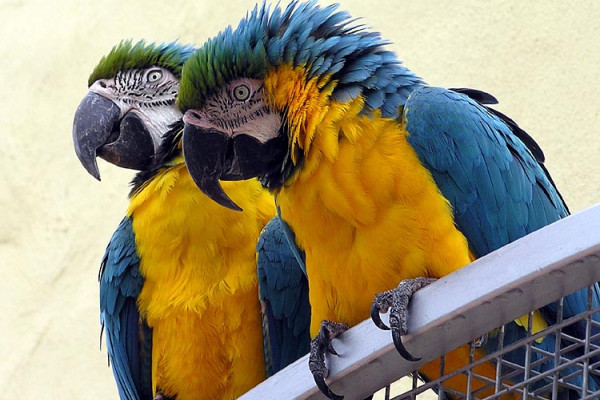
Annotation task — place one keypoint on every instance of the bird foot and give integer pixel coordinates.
(319, 346)
(396, 301)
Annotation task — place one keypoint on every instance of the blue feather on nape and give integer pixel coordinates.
(347, 93)
(374, 99)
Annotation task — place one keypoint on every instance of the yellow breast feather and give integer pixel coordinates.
(200, 294)
(368, 217)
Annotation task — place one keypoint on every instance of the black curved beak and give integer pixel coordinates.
(99, 130)
(205, 153)
(95, 119)
(211, 155)
(133, 149)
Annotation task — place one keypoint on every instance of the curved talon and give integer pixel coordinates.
(320, 382)
(319, 347)
(396, 301)
(397, 337)
(377, 318)
(331, 350)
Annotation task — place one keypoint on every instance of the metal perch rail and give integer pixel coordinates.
(494, 290)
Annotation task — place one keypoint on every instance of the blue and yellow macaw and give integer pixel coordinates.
(179, 286)
(381, 178)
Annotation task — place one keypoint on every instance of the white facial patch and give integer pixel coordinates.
(238, 109)
(263, 128)
(149, 93)
(158, 120)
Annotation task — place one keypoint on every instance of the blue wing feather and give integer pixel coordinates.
(127, 337)
(481, 167)
(492, 174)
(283, 291)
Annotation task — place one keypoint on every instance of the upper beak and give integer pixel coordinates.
(95, 119)
(99, 130)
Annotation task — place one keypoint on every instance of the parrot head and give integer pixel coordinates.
(253, 97)
(130, 104)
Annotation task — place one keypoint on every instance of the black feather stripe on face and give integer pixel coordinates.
(169, 148)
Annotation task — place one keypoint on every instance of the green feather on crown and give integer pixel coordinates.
(140, 55)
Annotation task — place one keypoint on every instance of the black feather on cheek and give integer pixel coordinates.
(250, 158)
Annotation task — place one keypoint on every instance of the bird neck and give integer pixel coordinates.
(175, 221)
(357, 162)
(316, 122)
(168, 154)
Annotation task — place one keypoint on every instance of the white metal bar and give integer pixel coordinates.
(555, 378)
(506, 284)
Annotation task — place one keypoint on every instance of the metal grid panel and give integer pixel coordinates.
(535, 270)
(530, 384)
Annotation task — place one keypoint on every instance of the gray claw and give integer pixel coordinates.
(376, 309)
(331, 350)
(397, 337)
(397, 300)
(320, 382)
(316, 360)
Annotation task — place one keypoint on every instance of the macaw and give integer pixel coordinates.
(381, 178)
(179, 285)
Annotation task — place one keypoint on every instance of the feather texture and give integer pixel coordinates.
(283, 291)
(390, 179)
(496, 185)
(324, 42)
(198, 261)
(127, 55)
(179, 285)
(120, 284)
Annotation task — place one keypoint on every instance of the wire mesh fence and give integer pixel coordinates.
(542, 375)
(558, 360)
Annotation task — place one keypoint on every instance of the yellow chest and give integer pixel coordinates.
(368, 215)
(200, 294)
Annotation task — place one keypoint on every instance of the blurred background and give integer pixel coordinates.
(540, 59)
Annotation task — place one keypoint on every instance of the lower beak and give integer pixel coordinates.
(133, 149)
(205, 153)
(211, 155)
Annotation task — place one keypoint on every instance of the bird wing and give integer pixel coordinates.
(128, 338)
(498, 190)
(283, 291)
(492, 173)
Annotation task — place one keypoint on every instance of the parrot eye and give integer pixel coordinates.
(241, 92)
(154, 75)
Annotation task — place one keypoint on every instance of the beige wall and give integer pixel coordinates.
(541, 59)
